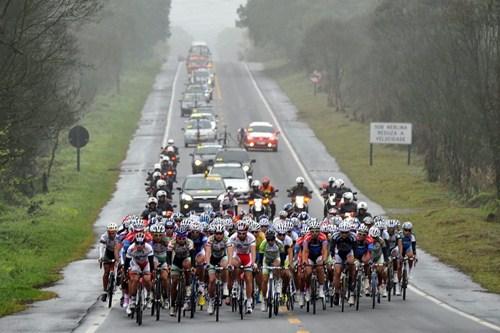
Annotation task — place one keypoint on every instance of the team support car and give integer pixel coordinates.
(261, 135)
(190, 101)
(236, 155)
(197, 131)
(199, 192)
(234, 176)
(203, 156)
(206, 116)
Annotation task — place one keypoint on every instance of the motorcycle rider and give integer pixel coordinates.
(299, 188)
(171, 143)
(348, 204)
(328, 190)
(164, 204)
(255, 191)
(267, 188)
(362, 210)
(151, 207)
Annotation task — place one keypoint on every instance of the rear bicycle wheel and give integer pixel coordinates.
(358, 290)
(240, 300)
(343, 283)
(374, 289)
(159, 291)
(179, 302)
(390, 281)
(111, 288)
(138, 306)
(404, 283)
(218, 299)
(276, 304)
(314, 293)
(270, 294)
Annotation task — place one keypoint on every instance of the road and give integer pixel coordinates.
(239, 102)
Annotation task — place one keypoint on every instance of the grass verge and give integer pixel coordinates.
(34, 249)
(456, 234)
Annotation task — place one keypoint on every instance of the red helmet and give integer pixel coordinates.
(266, 180)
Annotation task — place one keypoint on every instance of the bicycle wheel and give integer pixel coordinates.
(138, 306)
(270, 295)
(179, 302)
(390, 281)
(158, 293)
(374, 288)
(218, 299)
(240, 300)
(111, 288)
(276, 304)
(343, 283)
(192, 297)
(314, 292)
(404, 283)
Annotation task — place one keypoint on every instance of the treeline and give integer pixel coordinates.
(434, 63)
(55, 56)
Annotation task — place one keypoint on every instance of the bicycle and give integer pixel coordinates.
(273, 296)
(290, 295)
(158, 291)
(390, 279)
(404, 279)
(179, 300)
(345, 292)
(314, 285)
(374, 284)
(110, 288)
(218, 291)
(360, 272)
(139, 301)
(237, 296)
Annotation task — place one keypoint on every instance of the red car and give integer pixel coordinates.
(261, 136)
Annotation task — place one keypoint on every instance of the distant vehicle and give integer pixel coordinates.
(203, 76)
(261, 135)
(203, 156)
(199, 48)
(205, 108)
(198, 131)
(234, 176)
(190, 101)
(204, 115)
(236, 155)
(203, 90)
(199, 192)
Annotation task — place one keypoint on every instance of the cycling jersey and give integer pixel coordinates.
(271, 252)
(393, 240)
(259, 239)
(199, 243)
(109, 244)
(363, 246)
(409, 243)
(342, 247)
(315, 246)
(242, 246)
(181, 250)
(160, 249)
(218, 247)
(140, 259)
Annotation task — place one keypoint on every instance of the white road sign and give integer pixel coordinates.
(391, 133)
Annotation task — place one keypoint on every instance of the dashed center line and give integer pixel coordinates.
(294, 321)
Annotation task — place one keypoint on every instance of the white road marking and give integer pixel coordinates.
(171, 105)
(316, 191)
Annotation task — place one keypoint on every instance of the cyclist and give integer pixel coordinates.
(241, 251)
(362, 252)
(180, 255)
(140, 260)
(379, 253)
(267, 189)
(409, 245)
(199, 241)
(107, 257)
(286, 256)
(270, 251)
(342, 249)
(314, 254)
(160, 246)
(395, 246)
(216, 255)
(348, 206)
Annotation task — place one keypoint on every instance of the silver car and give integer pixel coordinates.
(198, 131)
(234, 176)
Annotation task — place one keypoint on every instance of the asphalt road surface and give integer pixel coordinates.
(239, 102)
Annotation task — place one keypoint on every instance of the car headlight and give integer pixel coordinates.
(246, 168)
(186, 197)
(198, 163)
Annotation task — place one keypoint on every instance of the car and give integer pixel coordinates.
(203, 156)
(205, 108)
(203, 76)
(205, 115)
(199, 192)
(198, 131)
(236, 155)
(234, 176)
(261, 135)
(202, 90)
(190, 101)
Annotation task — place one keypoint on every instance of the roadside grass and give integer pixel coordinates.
(456, 234)
(34, 248)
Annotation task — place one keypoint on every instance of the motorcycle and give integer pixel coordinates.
(230, 202)
(259, 207)
(330, 202)
(300, 202)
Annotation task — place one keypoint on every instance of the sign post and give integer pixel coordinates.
(78, 138)
(315, 78)
(391, 133)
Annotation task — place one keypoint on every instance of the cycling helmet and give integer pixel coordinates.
(288, 224)
(331, 179)
(348, 196)
(112, 227)
(218, 227)
(299, 180)
(314, 224)
(337, 220)
(295, 221)
(378, 218)
(161, 193)
(255, 183)
(138, 226)
(266, 180)
(283, 214)
(160, 229)
(391, 223)
(185, 223)
(181, 232)
(363, 229)
(139, 238)
(303, 216)
(304, 230)
(196, 226)
(324, 227)
(177, 217)
(228, 224)
(374, 232)
(157, 166)
(160, 183)
(362, 205)
(242, 226)
(170, 141)
(169, 223)
(368, 220)
(270, 235)
(156, 174)
(264, 222)
(153, 219)
(407, 225)
(345, 226)
(380, 225)
(152, 200)
(204, 218)
(333, 211)
(288, 207)
(254, 226)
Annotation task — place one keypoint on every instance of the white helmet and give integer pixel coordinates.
(338, 182)
(170, 149)
(152, 200)
(348, 196)
(256, 183)
(160, 183)
(331, 179)
(161, 193)
(345, 226)
(374, 232)
(157, 166)
(156, 174)
(362, 205)
(299, 180)
(170, 141)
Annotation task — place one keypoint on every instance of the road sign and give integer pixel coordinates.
(391, 133)
(78, 138)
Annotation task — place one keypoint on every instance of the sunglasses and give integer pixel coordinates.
(409, 230)
(282, 235)
(219, 233)
(242, 233)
